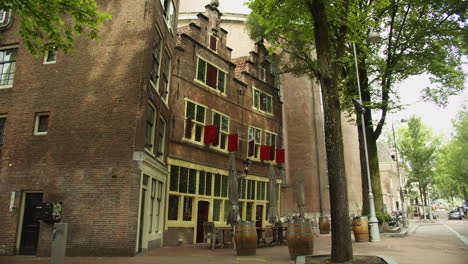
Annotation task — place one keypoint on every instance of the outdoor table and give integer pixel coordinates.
(224, 232)
(278, 235)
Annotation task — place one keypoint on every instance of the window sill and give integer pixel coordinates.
(211, 89)
(40, 133)
(50, 62)
(6, 86)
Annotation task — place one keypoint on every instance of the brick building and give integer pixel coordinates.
(237, 96)
(89, 129)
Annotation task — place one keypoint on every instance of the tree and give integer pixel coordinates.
(57, 22)
(418, 150)
(316, 25)
(421, 37)
(452, 168)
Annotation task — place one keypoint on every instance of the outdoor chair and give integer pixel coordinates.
(210, 232)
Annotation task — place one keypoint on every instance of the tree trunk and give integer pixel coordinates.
(342, 250)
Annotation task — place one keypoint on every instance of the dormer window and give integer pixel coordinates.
(262, 101)
(213, 43)
(211, 76)
(262, 73)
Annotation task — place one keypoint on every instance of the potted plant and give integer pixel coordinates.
(383, 218)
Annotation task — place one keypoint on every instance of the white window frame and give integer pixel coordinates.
(37, 118)
(222, 133)
(209, 43)
(262, 73)
(158, 71)
(12, 62)
(150, 149)
(195, 123)
(47, 54)
(165, 93)
(204, 82)
(3, 15)
(256, 100)
(257, 143)
(268, 135)
(161, 142)
(169, 12)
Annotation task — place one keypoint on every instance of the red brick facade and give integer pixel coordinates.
(91, 157)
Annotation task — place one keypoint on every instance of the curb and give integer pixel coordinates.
(301, 259)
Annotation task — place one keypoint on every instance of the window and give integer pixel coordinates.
(156, 61)
(161, 137)
(194, 121)
(7, 66)
(169, 13)
(213, 42)
(50, 56)
(187, 213)
(211, 76)
(173, 209)
(204, 183)
(150, 127)
(159, 195)
(262, 73)
(216, 210)
(165, 74)
(3, 14)
(263, 101)
(270, 140)
(2, 129)
(222, 124)
(255, 139)
(41, 124)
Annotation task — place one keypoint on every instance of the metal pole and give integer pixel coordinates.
(373, 222)
(402, 194)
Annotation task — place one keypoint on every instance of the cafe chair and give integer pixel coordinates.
(210, 232)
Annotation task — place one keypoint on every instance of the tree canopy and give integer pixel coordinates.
(57, 22)
(418, 149)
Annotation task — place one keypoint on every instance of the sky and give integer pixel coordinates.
(410, 92)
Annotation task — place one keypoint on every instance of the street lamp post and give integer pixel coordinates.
(402, 194)
(373, 222)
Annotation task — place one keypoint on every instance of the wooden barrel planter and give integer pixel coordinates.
(324, 225)
(300, 238)
(361, 229)
(246, 238)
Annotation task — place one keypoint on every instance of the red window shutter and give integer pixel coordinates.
(210, 134)
(213, 41)
(272, 152)
(264, 152)
(251, 148)
(233, 142)
(211, 76)
(188, 127)
(280, 156)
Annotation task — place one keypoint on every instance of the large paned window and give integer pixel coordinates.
(165, 76)
(156, 59)
(255, 139)
(7, 66)
(194, 121)
(169, 13)
(222, 124)
(161, 137)
(211, 75)
(2, 129)
(263, 101)
(150, 127)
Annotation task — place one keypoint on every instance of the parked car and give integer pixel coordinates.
(434, 216)
(455, 215)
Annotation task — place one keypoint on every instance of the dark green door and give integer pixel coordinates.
(30, 226)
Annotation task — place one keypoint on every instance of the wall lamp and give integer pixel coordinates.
(243, 174)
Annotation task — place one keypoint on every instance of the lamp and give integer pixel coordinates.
(373, 222)
(243, 174)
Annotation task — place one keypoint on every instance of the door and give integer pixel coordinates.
(202, 216)
(30, 226)
(142, 218)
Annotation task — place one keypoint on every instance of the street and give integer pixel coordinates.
(427, 242)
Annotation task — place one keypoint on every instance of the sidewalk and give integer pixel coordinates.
(411, 249)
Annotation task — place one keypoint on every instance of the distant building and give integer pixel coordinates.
(89, 129)
(389, 178)
(215, 97)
